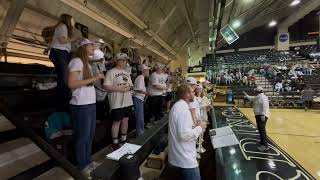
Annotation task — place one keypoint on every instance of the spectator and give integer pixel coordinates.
(139, 95)
(118, 84)
(278, 87)
(83, 107)
(60, 54)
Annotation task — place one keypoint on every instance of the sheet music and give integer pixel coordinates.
(223, 131)
(224, 141)
(127, 148)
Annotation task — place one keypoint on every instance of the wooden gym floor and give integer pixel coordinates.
(297, 132)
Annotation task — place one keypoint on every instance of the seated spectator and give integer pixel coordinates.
(278, 87)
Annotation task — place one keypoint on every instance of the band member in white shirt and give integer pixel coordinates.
(157, 85)
(182, 136)
(194, 105)
(118, 84)
(262, 113)
(139, 97)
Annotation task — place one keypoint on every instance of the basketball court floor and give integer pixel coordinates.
(297, 132)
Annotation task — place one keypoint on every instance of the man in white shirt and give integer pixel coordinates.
(193, 105)
(182, 136)
(262, 113)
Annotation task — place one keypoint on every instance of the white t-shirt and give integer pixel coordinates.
(139, 85)
(85, 94)
(196, 104)
(182, 137)
(156, 79)
(60, 31)
(118, 77)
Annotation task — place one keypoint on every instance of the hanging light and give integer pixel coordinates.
(272, 23)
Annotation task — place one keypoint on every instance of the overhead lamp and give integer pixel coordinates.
(247, 1)
(272, 23)
(236, 24)
(295, 2)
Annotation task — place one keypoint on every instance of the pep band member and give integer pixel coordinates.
(60, 53)
(118, 84)
(83, 102)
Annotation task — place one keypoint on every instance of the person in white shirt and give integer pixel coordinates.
(60, 54)
(139, 95)
(182, 136)
(262, 113)
(83, 101)
(278, 87)
(157, 85)
(193, 105)
(98, 59)
(118, 84)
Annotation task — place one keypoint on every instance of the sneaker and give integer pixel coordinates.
(94, 164)
(263, 148)
(122, 143)
(115, 147)
(86, 171)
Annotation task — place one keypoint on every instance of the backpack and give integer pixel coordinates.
(47, 34)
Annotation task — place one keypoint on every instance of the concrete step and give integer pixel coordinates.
(5, 124)
(19, 155)
(55, 173)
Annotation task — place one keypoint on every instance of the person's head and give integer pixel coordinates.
(158, 68)
(121, 60)
(258, 90)
(185, 92)
(99, 43)
(84, 50)
(191, 81)
(143, 70)
(69, 22)
(198, 90)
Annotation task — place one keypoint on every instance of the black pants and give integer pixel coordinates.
(60, 60)
(262, 129)
(155, 107)
(308, 104)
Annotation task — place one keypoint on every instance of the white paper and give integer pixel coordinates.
(127, 148)
(223, 131)
(224, 141)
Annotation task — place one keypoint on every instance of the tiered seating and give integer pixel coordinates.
(257, 57)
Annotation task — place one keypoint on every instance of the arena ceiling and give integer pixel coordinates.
(166, 29)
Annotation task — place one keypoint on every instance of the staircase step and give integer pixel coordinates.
(19, 155)
(5, 124)
(55, 173)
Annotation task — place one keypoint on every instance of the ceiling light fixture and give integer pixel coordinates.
(272, 23)
(236, 24)
(295, 2)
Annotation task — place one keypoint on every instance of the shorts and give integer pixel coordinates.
(169, 96)
(120, 113)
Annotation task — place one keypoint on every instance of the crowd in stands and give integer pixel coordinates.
(239, 76)
(97, 87)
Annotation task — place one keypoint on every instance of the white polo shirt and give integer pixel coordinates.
(182, 137)
(260, 104)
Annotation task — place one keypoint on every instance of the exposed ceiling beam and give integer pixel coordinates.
(162, 23)
(126, 12)
(11, 19)
(94, 14)
(187, 14)
(300, 13)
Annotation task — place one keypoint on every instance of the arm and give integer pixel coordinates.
(114, 88)
(190, 134)
(74, 82)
